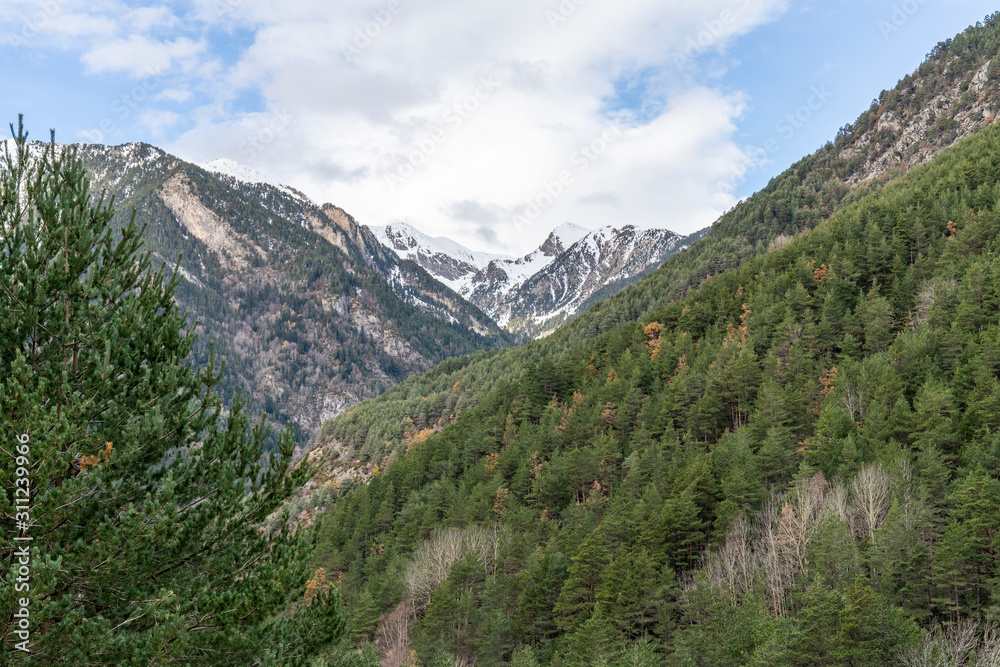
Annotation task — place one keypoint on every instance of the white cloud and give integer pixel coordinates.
(453, 116)
(178, 95)
(158, 120)
(81, 24)
(393, 121)
(144, 19)
(139, 55)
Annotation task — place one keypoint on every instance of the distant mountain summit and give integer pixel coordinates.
(535, 293)
(566, 233)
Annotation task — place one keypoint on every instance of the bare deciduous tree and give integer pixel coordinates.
(870, 499)
(771, 549)
(957, 646)
(801, 512)
(393, 636)
(852, 398)
(734, 563)
(432, 562)
(938, 290)
(836, 502)
(774, 557)
(485, 544)
(988, 654)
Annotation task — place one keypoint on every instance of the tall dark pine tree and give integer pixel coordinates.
(146, 495)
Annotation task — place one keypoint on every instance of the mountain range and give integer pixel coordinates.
(314, 312)
(535, 293)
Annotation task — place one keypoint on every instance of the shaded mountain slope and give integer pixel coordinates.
(311, 313)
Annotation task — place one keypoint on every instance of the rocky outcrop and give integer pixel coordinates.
(952, 104)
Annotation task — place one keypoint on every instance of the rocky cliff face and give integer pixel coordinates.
(534, 293)
(946, 99)
(311, 312)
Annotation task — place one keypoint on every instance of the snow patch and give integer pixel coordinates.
(246, 174)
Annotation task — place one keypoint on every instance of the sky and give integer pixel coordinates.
(490, 123)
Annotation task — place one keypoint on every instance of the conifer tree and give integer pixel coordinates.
(592, 643)
(146, 493)
(524, 658)
(364, 618)
(576, 601)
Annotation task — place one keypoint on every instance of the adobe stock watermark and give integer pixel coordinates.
(794, 121)
(34, 22)
(266, 133)
(713, 30)
(563, 12)
(453, 118)
(124, 106)
(551, 190)
(901, 14)
(22, 519)
(370, 31)
(223, 8)
(786, 127)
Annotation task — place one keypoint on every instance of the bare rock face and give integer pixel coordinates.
(552, 246)
(201, 222)
(929, 111)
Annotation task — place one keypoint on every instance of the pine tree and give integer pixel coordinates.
(592, 643)
(819, 619)
(145, 502)
(630, 593)
(437, 626)
(975, 501)
(579, 593)
(870, 631)
(364, 618)
(524, 658)
(541, 583)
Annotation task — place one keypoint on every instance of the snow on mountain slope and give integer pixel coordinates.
(246, 174)
(465, 270)
(448, 261)
(553, 281)
(602, 257)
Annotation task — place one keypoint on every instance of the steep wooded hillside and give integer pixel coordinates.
(778, 449)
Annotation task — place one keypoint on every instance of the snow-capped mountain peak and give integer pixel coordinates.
(404, 239)
(562, 237)
(552, 281)
(450, 262)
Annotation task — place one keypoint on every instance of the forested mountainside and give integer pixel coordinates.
(309, 311)
(799, 198)
(821, 420)
(780, 448)
(534, 294)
